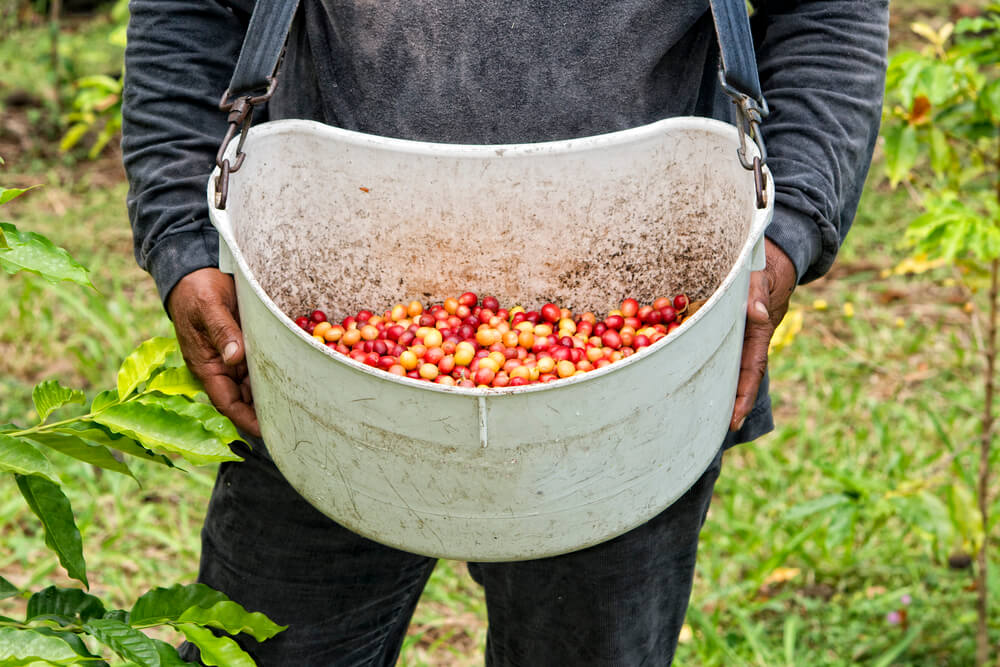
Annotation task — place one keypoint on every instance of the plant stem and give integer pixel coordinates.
(51, 425)
(982, 597)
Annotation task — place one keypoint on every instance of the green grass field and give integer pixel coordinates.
(848, 512)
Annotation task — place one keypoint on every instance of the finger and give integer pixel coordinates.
(227, 397)
(245, 391)
(753, 361)
(224, 332)
(752, 367)
(758, 298)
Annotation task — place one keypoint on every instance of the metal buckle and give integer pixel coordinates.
(240, 118)
(750, 115)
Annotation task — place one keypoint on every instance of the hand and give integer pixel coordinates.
(203, 308)
(767, 304)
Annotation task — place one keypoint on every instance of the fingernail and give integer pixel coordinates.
(760, 307)
(229, 351)
(740, 425)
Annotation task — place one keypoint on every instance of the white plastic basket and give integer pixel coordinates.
(322, 217)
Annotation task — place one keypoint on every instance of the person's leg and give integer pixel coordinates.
(346, 600)
(618, 603)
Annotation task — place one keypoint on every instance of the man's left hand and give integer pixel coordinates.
(767, 304)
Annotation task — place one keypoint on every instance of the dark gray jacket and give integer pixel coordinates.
(504, 72)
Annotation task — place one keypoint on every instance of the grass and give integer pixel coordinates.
(817, 532)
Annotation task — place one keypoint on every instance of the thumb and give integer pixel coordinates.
(758, 298)
(225, 334)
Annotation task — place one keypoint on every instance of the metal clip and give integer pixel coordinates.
(750, 114)
(240, 118)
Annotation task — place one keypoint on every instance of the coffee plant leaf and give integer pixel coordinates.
(176, 380)
(75, 643)
(6, 194)
(901, 151)
(215, 650)
(28, 251)
(162, 604)
(169, 657)
(213, 420)
(69, 602)
(50, 395)
(96, 434)
(53, 509)
(233, 618)
(81, 450)
(142, 362)
(21, 457)
(124, 640)
(24, 647)
(7, 589)
(103, 400)
(160, 429)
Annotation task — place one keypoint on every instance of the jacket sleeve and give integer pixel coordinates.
(179, 58)
(822, 68)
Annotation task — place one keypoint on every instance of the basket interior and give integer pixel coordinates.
(334, 220)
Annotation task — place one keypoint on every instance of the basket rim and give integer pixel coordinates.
(223, 224)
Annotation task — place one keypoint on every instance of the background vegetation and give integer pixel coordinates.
(846, 537)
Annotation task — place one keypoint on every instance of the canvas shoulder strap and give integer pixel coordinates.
(254, 79)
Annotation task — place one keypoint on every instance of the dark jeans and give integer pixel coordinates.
(348, 600)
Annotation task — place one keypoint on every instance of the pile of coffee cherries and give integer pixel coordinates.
(468, 342)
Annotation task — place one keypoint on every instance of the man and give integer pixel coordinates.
(451, 71)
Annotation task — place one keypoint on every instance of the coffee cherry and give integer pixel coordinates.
(468, 343)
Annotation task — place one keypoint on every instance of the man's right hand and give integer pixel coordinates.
(203, 308)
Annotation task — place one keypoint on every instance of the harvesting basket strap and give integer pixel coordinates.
(740, 80)
(254, 80)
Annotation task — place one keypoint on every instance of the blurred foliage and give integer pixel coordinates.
(97, 103)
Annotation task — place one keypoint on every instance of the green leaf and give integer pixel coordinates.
(938, 83)
(96, 434)
(73, 136)
(23, 647)
(33, 252)
(117, 615)
(139, 365)
(941, 154)
(161, 605)
(989, 101)
(75, 643)
(901, 150)
(6, 194)
(176, 380)
(19, 456)
(106, 83)
(234, 619)
(7, 589)
(213, 420)
(216, 650)
(50, 395)
(169, 657)
(3, 242)
(124, 640)
(79, 449)
(160, 429)
(71, 602)
(103, 400)
(53, 509)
